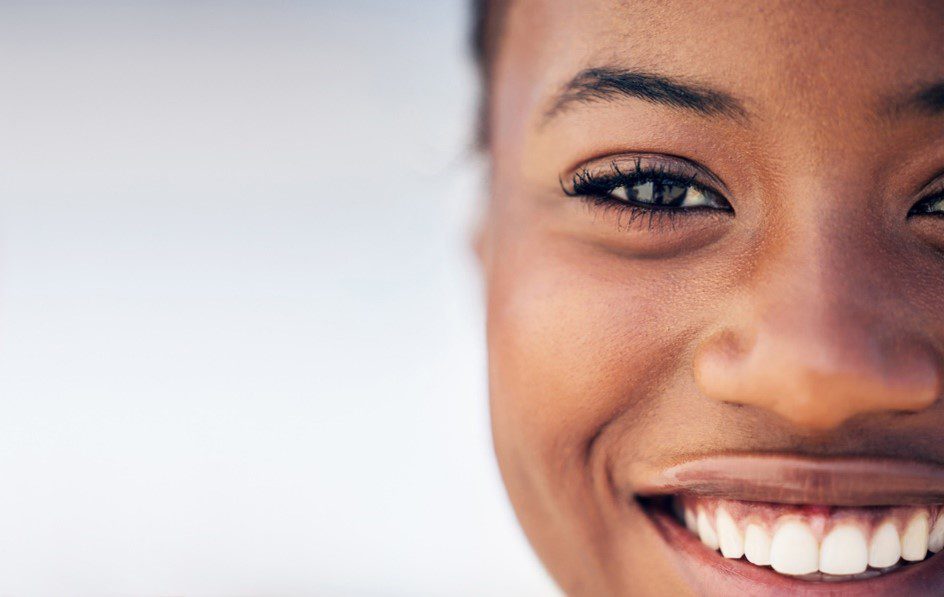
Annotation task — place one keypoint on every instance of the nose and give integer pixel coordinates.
(814, 339)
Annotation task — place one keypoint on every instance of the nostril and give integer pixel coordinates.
(719, 366)
(912, 375)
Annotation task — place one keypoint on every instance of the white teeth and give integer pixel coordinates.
(690, 521)
(844, 551)
(885, 549)
(757, 545)
(914, 541)
(832, 540)
(729, 537)
(936, 539)
(707, 534)
(793, 549)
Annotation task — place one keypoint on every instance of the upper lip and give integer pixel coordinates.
(790, 479)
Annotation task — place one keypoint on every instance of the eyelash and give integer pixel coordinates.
(597, 191)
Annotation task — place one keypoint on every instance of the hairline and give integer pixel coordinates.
(488, 19)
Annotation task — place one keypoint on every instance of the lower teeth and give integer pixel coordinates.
(813, 542)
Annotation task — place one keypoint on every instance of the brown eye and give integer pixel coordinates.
(669, 194)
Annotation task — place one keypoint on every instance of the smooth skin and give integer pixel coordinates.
(807, 320)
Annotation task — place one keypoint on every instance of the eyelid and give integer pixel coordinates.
(594, 189)
(596, 182)
(935, 183)
(935, 189)
(671, 165)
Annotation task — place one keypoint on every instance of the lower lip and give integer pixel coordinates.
(714, 574)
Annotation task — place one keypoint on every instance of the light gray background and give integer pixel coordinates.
(241, 346)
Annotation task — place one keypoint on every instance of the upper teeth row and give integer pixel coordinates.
(794, 549)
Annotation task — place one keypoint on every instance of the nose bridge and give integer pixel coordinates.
(812, 288)
(817, 340)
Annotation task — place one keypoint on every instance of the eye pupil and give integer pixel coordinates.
(674, 194)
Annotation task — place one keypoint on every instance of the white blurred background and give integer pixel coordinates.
(241, 347)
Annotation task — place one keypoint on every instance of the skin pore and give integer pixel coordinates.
(785, 296)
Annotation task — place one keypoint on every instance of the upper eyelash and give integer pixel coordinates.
(595, 190)
(586, 184)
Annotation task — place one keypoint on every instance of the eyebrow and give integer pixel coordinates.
(608, 84)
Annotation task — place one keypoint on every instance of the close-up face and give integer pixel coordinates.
(714, 261)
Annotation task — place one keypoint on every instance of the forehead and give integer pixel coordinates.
(783, 58)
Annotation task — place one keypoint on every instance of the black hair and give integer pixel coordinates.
(487, 19)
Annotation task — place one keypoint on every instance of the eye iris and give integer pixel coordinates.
(658, 193)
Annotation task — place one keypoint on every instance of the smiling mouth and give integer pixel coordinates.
(807, 542)
(799, 525)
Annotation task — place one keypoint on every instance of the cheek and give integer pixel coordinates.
(577, 339)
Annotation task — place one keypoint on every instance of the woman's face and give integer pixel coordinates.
(715, 267)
